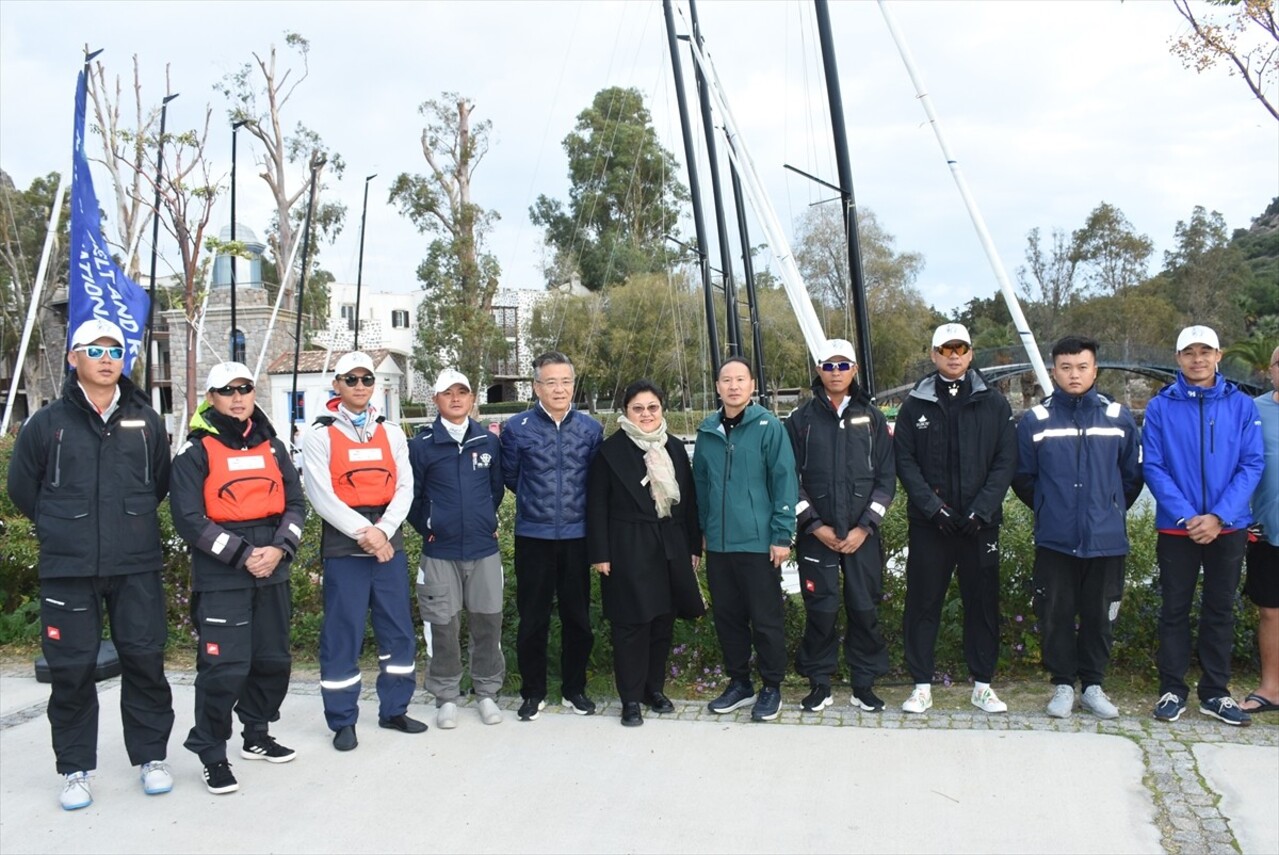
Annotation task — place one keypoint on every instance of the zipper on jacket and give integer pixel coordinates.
(146, 451)
(1203, 468)
(728, 473)
(57, 459)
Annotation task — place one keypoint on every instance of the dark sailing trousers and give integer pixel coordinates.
(640, 654)
(242, 664)
(71, 633)
(1179, 560)
(1067, 587)
(746, 596)
(547, 571)
(865, 650)
(932, 562)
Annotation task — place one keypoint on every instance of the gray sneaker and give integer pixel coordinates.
(1096, 702)
(1063, 702)
(446, 716)
(490, 713)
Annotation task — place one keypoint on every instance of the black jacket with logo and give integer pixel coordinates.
(986, 453)
(92, 487)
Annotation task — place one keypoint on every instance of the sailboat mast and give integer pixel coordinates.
(748, 272)
(694, 188)
(861, 316)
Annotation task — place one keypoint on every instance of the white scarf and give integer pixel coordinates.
(660, 479)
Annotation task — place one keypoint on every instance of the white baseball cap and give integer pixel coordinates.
(1197, 335)
(353, 360)
(951, 332)
(94, 329)
(225, 373)
(449, 378)
(837, 347)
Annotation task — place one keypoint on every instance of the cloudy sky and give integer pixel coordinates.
(1050, 107)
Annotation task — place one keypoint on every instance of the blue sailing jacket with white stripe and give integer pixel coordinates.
(1079, 469)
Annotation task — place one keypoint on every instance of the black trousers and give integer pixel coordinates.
(547, 571)
(746, 595)
(865, 650)
(1067, 587)
(640, 654)
(1179, 560)
(71, 633)
(933, 559)
(242, 665)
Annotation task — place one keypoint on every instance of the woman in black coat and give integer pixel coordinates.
(643, 537)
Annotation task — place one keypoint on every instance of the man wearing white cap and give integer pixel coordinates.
(238, 502)
(457, 489)
(89, 470)
(1203, 459)
(359, 481)
(847, 480)
(956, 451)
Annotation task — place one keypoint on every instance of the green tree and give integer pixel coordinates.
(1259, 245)
(1048, 281)
(455, 319)
(1246, 40)
(1205, 276)
(1114, 258)
(574, 325)
(623, 196)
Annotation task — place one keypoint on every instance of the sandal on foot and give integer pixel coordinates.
(1262, 704)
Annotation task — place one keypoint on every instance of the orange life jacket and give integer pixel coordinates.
(363, 473)
(243, 484)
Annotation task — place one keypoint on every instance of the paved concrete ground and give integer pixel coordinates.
(687, 782)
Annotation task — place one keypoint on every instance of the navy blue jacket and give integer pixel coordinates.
(1203, 453)
(545, 465)
(1079, 469)
(457, 489)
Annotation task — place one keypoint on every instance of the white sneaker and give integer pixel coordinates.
(1062, 703)
(919, 701)
(446, 716)
(490, 713)
(75, 791)
(1096, 702)
(987, 701)
(156, 778)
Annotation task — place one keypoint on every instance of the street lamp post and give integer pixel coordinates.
(359, 270)
(155, 239)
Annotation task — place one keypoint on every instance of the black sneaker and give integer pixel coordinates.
(737, 695)
(530, 708)
(818, 699)
(218, 778)
(266, 748)
(769, 704)
(579, 704)
(866, 699)
(659, 703)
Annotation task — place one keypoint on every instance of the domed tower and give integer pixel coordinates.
(248, 271)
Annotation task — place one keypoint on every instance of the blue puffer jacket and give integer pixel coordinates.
(1079, 469)
(1203, 453)
(457, 489)
(545, 465)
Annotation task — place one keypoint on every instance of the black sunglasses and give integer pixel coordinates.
(837, 366)
(354, 380)
(228, 391)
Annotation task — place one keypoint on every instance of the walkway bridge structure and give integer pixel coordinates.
(1002, 363)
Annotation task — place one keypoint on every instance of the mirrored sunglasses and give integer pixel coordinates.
(228, 391)
(354, 380)
(956, 349)
(837, 366)
(95, 351)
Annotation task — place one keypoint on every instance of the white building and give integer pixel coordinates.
(315, 386)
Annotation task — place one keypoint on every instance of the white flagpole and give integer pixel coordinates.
(1010, 297)
(32, 309)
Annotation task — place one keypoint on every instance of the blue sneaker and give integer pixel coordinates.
(1225, 709)
(769, 704)
(1169, 707)
(737, 695)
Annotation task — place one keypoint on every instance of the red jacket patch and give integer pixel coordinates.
(211, 648)
(53, 632)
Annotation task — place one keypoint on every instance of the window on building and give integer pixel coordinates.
(506, 320)
(400, 319)
(299, 408)
(237, 346)
(348, 315)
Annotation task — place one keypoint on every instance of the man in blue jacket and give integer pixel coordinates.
(546, 455)
(1203, 460)
(457, 489)
(744, 471)
(1079, 470)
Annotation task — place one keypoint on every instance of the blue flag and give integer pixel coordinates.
(96, 286)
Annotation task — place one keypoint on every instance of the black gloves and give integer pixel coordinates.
(969, 526)
(946, 520)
